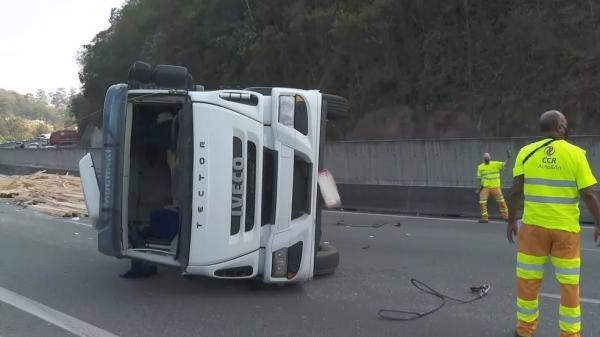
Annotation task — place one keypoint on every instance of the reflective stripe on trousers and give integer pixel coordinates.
(497, 194)
(536, 244)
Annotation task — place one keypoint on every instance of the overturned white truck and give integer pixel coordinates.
(218, 183)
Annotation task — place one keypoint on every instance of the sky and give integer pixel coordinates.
(40, 40)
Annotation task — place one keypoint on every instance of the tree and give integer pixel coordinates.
(81, 112)
(25, 116)
(497, 65)
(41, 96)
(59, 99)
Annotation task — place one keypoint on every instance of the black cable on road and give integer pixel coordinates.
(406, 315)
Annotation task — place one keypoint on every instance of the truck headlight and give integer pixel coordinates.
(279, 263)
(287, 106)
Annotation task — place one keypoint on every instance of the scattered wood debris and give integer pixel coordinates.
(53, 194)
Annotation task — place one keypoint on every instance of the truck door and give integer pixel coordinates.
(110, 233)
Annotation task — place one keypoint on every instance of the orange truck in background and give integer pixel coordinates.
(64, 137)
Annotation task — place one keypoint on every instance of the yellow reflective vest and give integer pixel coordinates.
(490, 174)
(553, 176)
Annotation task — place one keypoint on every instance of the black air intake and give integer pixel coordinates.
(244, 271)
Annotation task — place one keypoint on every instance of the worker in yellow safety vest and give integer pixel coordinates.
(551, 175)
(488, 174)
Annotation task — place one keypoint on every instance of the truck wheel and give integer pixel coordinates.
(337, 107)
(326, 260)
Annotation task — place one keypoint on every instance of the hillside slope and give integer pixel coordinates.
(466, 68)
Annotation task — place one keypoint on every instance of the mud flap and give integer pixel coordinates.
(91, 191)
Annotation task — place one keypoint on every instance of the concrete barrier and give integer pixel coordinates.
(412, 176)
(426, 176)
(440, 163)
(60, 159)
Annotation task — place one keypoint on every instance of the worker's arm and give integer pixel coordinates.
(593, 205)
(514, 199)
(508, 155)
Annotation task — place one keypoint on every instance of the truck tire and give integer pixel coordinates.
(140, 74)
(337, 107)
(172, 77)
(327, 260)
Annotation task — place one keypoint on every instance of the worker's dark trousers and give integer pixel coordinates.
(535, 245)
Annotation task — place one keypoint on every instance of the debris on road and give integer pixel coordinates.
(53, 194)
(371, 225)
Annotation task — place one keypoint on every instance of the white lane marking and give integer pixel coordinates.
(582, 300)
(79, 223)
(406, 216)
(591, 250)
(61, 320)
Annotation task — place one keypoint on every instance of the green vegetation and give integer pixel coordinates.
(24, 117)
(411, 68)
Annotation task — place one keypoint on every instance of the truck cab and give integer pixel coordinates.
(216, 183)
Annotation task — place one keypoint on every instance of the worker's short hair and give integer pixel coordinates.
(549, 120)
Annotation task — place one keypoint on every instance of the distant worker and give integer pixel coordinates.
(488, 173)
(551, 174)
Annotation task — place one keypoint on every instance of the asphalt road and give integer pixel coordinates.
(55, 264)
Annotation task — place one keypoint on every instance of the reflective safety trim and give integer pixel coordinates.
(574, 271)
(551, 200)
(526, 304)
(550, 182)
(531, 259)
(570, 312)
(566, 263)
(570, 320)
(528, 318)
(567, 279)
(530, 274)
(528, 266)
(490, 173)
(527, 311)
(569, 328)
(567, 270)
